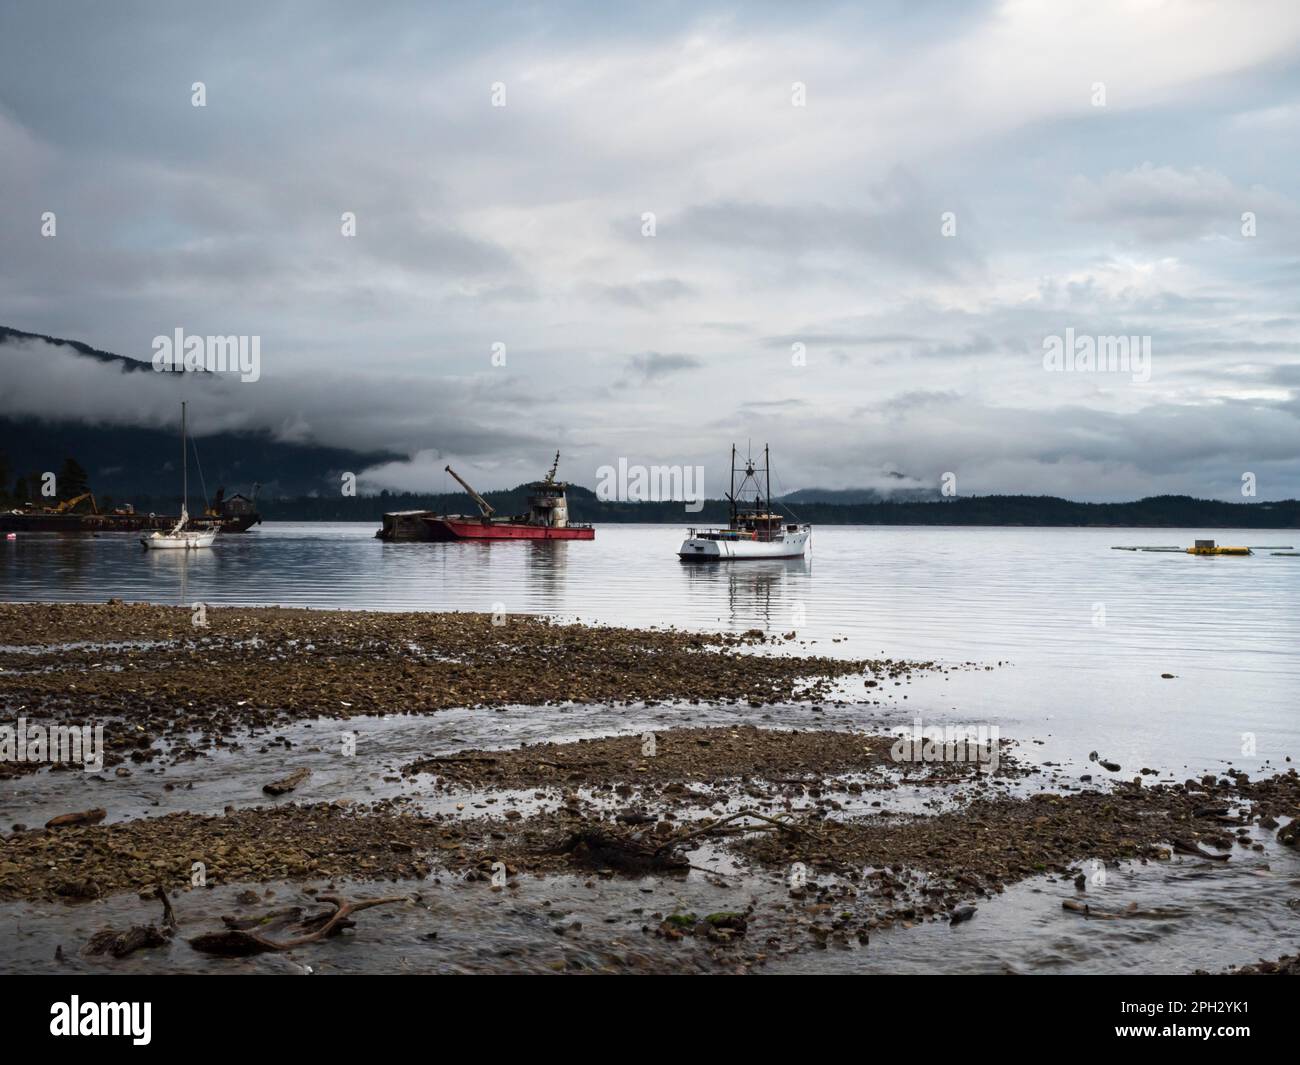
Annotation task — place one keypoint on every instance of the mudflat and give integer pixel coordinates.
(822, 832)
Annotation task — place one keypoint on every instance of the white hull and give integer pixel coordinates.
(179, 541)
(707, 549)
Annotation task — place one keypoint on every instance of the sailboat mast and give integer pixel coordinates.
(185, 469)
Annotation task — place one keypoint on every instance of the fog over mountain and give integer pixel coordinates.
(862, 272)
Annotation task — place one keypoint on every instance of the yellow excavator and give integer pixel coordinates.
(71, 504)
(213, 509)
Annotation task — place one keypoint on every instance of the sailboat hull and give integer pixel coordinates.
(180, 541)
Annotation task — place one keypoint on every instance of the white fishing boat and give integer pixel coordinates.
(754, 531)
(178, 538)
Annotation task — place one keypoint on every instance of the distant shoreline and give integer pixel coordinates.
(1155, 512)
(1168, 512)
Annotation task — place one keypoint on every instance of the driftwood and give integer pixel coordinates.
(1086, 910)
(242, 942)
(286, 784)
(264, 921)
(137, 937)
(82, 817)
(451, 758)
(1183, 846)
(169, 915)
(785, 826)
(120, 944)
(600, 848)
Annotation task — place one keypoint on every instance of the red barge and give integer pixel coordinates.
(547, 518)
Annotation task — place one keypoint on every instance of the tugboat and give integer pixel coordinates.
(754, 530)
(547, 518)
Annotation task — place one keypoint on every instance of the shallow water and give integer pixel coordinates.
(1210, 916)
(233, 775)
(1087, 631)
(1075, 637)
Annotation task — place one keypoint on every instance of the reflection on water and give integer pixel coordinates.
(1085, 634)
(233, 775)
(1087, 631)
(761, 594)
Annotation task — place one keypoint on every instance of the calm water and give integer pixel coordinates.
(1085, 632)
(1076, 635)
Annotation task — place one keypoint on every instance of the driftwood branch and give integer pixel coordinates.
(799, 830)
(240, 942)
(1087, 910)
(596, 845)
(169, 915)
(1184, 846)
(137, 937)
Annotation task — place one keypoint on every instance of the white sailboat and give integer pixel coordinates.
(754, 531)
(178, 538)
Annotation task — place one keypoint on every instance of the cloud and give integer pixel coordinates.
(899, 224)
(54, 383)
(645, 295)
(652, 365)
(1165, 204)
(518, 230)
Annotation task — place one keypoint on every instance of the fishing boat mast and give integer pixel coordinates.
(762, 503)
(767, 470)
(731, 495)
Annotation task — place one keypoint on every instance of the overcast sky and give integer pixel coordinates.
(1096, 166)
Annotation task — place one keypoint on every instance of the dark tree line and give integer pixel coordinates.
(70, 481)
(1153, 512)
(1167, 511)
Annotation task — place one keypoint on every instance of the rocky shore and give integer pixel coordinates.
(820, 834)
(247, 668)
(842, 876)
